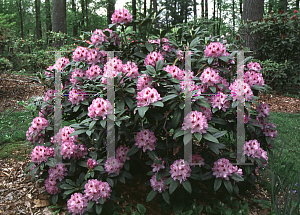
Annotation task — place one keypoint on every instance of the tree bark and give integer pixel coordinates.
(145, 8)
(134, 13)
(202, 8)
(21, 16)
(297, 4)
(195, 10)
(59, 16)
(253, 10)
(38, 24)
(83, 15)
(75, 26)
(214, 17)
(206, 9)
(110, 10)
(48, 16)
(233, 17)
(219, 30)
(87, 14)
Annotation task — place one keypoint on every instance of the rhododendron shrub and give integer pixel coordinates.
(150, 87)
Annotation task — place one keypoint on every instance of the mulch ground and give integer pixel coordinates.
(18, 195)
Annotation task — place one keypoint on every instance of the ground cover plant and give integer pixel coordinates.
(150, 86)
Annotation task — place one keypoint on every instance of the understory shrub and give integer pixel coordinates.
(150, 86)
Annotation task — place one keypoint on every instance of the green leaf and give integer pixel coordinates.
(212, 130)
(92, 124)
(194, 42)
(217, 184)
(159, 65)
(236, 177)
(129, 102)
(213, 147)
(210, 60)
(149, 47)
(151, 69)
(176, 117)
(158, 104)
(207, 176)
(132, 151)
(198, 136)
(166, 197)
(143, 110)
(168, 181)
(173, 186)
(213, 89)
(77, 132)
(76, 108)
(187, 186)
(98, 168)
(66, 186)
(220, 134)
(99, 208)
(141, 208)
(140, 54)
(54, 199)
(211, 138)
(218, 121)
(178, 134)
(90, 205)
(151, 195)
(228, 186)
(168, 97)
(130, 90)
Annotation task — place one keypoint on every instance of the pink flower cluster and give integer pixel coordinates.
(210, 77)
(111, 69)
(252, 149)
(77, 204)
(254, 66)
(113, 165)
(207, 112)
(93, 72)
(254, 78)
(55, 173)
(100, 108)
(147, 96)
(121, 153)
(144, 82)
(63, 135)
(98, 38)
(131, 69)
(235, 93)
(71, 150)
(50, 73)
(95, 190)
(37, 125)
(91, 163)
(266, 126)
(80, 54)
(121, 15)
(41, 154)
(215, 49)
(175, 72)
(145, 139)
(196, 121)
(197, 159)
(77, 73)
(180, 54)
(180, 170)
(263, 110)
(49, 96)
(45, 111)
(158, 185)
(76, 96)
(156, 167)
(219, 101)
(93, 56)
(152, 58)
(223, 168)
(62, 62)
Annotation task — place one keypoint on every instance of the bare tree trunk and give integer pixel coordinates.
(59, 16)
(241, 8)
(48, 17)
(202, 8)
(145, 7)
(38, 24)
(75, 26)
(233, 16)
(87, 14)
(206, 9)
(214, 17)
(219, 32)
(110, 10)
(134, 13)
(21, 16)
(253, 10)
(83, 15)
(195, 10)
(297, 4)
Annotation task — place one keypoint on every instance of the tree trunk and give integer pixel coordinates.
(134, 13)
(297, 4)
(83, 15)
(185, 11)
(145, 8)
(38, 24)
(21, 17)
(75, 26)
(241, 8)
(219, 32)
(202, 8)
(283, 5)
(253, 10)
(59, 16)
(195, 10)
(87, 14)
(110, 10)
(48, 17)
(233, 16)
(214, 18)
(217, 17)
(206, 9)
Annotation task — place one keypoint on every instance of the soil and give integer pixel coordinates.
(18, 195)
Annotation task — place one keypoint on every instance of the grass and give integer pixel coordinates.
(16, 151)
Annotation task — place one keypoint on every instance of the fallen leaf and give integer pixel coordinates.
(40, 203)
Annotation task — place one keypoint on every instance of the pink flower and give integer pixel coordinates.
(77, 204)
(93, 56)
(156, 167)
(145, 139)
(196, 121)
(49, 95)
(153, 58)
(91, 163)
(113, 165)
(77, 73)
(58, 172)
(215, 49)
(41, 154)
(51, 186)
(197, 159)
(254, 66)
(158, 185)
(219, 100)
(175, 72)
(209, 77)
(246, 90)
(147, 96)
(263, 110)
(180, 170)
(80, 54)
(95, 190)
(144, 82)
(295, 11)
(76, 96)
(121, 153)
(131, 69)
(111, 69)
(121, 15)
(98, 37)
(93, 72)
(61, 63)
(223, 168)
(100, 108)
